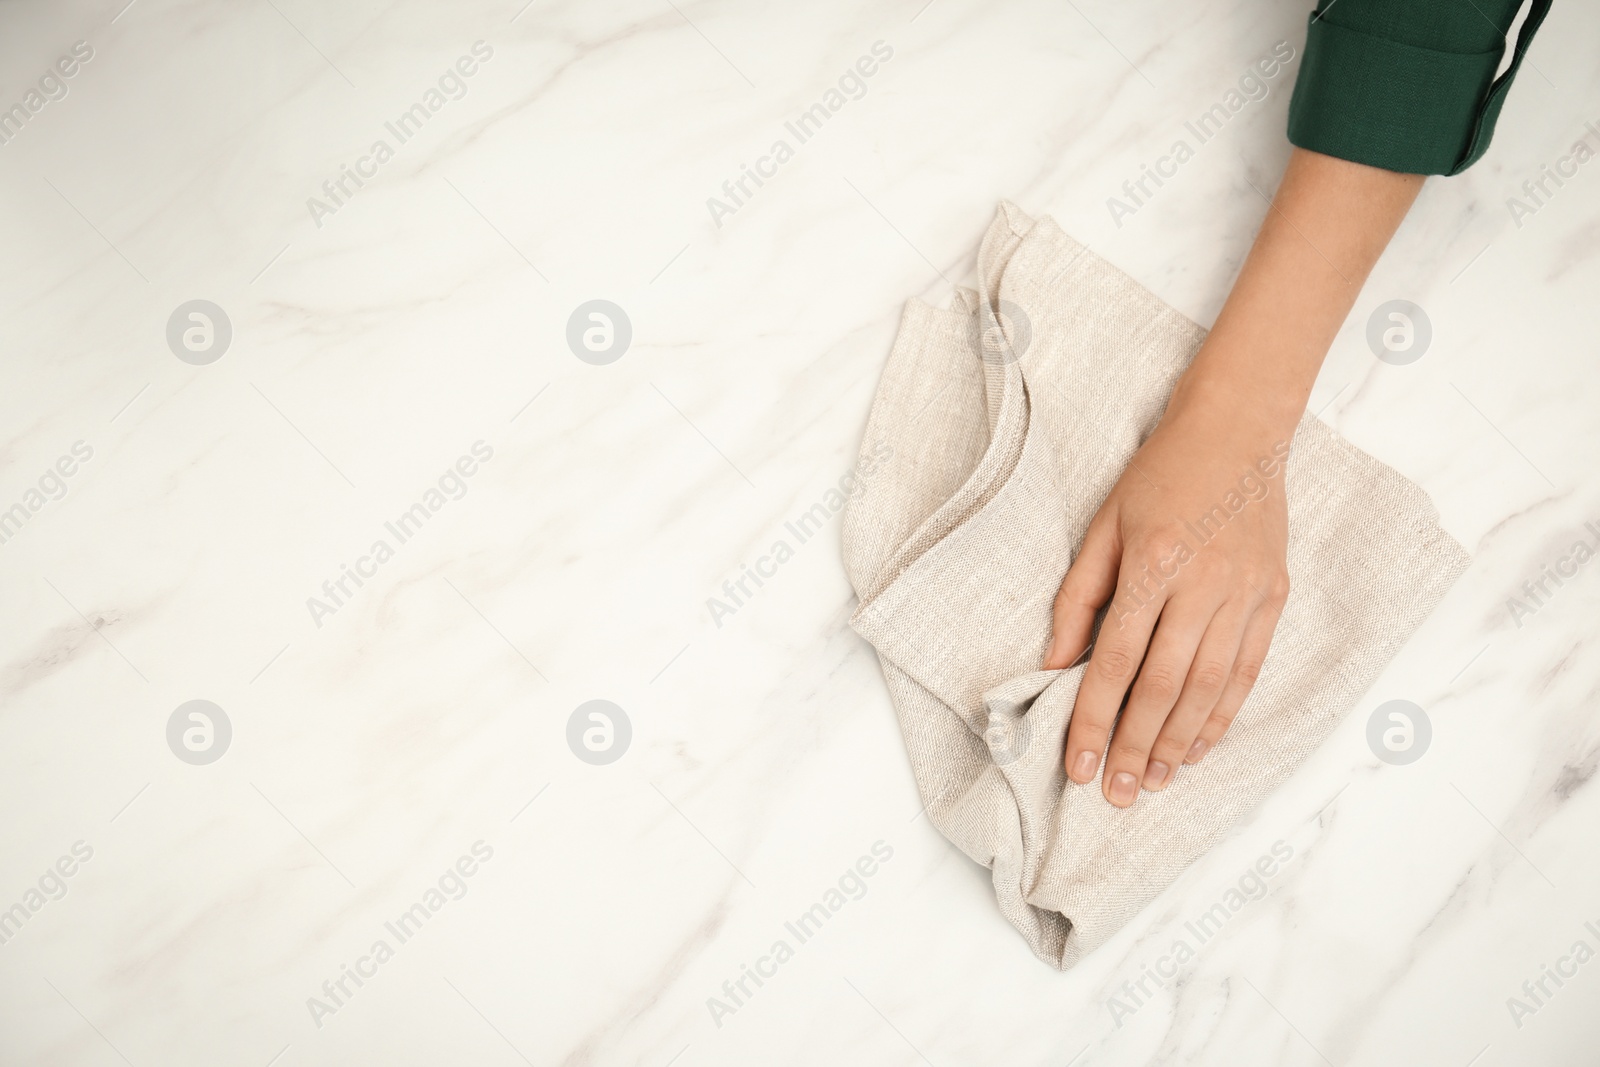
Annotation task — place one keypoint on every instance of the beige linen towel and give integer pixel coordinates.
(1008, 419)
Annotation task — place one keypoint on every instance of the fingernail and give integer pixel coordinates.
(1122, 787)
(1155, 774)
(1083, 766)
(1196, 750)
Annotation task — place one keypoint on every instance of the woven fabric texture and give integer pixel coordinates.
(1007, 419)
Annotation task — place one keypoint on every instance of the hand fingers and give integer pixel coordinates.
(1089, 583)
(1208, 678)
(1172, 650)
(1252, 651)
(1118, 652)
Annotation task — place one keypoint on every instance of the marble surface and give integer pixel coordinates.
(399, 347)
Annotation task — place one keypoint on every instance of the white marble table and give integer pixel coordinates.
(394, 759)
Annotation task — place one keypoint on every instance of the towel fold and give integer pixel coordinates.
(1009, 417)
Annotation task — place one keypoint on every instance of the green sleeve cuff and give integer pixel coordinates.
(1399, 106)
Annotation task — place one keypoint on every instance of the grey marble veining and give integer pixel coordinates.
(401, 854)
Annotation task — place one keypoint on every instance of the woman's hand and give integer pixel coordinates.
(1194, 582)
(1188, 550)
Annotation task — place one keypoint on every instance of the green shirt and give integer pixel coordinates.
(1406, 85)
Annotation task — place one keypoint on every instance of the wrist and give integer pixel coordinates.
(1239, 410)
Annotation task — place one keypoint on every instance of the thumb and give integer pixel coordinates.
(1090, 582)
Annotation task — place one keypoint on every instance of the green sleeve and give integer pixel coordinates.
(1406, 85)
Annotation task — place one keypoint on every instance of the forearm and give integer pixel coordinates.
(1327, 226)
(1199, 638)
